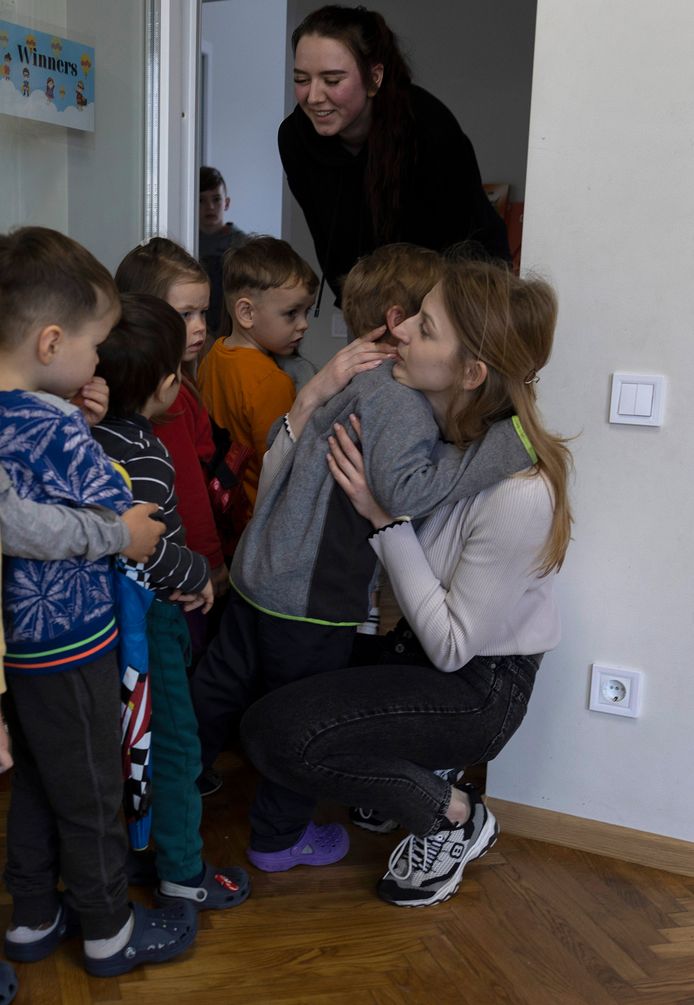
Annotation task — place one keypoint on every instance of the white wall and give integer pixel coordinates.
(88, 185)
(609, 210)
(247, 41)
(477, 58)
(33, 155)
(106, 167)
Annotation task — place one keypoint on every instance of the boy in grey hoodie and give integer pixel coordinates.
(303, 566)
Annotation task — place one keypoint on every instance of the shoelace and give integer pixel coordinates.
(420, 853)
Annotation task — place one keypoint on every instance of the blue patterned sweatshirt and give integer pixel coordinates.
(60, 614)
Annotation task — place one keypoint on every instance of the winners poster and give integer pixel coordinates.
(45, 77)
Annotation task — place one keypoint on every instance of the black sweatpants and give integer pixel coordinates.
(254, 654)
(67, 788)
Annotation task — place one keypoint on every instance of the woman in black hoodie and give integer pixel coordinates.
(370, 157)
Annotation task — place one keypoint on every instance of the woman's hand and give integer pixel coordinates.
(92, 400)
(347, 468)
(357, 357)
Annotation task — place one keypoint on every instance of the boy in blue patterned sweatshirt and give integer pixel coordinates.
(57, 303)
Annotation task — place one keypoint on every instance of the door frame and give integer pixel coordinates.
(172, 58)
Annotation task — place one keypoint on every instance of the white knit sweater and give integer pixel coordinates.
(465, 581)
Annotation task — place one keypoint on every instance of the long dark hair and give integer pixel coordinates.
(391, 149)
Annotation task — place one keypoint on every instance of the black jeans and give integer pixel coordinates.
(372, 735)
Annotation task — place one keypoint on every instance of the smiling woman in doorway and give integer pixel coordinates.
(370, 157)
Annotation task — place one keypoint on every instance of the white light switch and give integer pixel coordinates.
(644, 399)
(637, 399)
(627, 399)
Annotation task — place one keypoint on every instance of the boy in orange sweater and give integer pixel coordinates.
(268, 292)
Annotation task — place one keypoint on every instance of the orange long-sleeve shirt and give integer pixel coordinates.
(245, 391)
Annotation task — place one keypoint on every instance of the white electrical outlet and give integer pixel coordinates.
(615, 690)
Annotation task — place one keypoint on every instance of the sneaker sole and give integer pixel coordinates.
(387, 827)
(485, 841)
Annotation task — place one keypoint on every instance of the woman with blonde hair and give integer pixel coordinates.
(474, 581)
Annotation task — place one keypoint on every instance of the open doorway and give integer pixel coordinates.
(242, 101)
(477, 58)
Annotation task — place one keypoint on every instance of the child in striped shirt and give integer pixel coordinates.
(141, 362)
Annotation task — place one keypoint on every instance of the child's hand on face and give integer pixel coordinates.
(92, 400)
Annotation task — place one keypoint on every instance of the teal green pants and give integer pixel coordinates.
(176, 803)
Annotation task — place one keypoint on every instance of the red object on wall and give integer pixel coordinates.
(514, 229)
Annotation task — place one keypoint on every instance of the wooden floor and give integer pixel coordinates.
(533, 924)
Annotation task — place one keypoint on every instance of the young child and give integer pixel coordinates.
(141, 362)
(215, 237)
(302, 570)
(57, 303)
(164, 269)
(268, 291)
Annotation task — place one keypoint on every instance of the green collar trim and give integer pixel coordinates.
(523, 437)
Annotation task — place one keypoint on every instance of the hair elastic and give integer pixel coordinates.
(532, 378)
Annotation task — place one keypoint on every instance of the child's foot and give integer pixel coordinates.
(155, 936)
(209, 782)
(316, 846)
(216, 890)
(29, 945)
(423, 871)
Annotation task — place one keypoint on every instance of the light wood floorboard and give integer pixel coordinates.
(533, 924)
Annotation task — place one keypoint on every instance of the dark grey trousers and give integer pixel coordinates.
(67, 789)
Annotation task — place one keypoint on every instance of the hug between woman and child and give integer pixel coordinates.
(455, 487)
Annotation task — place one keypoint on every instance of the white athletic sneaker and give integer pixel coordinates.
(429, 870)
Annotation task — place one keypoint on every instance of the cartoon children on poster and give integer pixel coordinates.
(45, 77)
